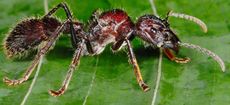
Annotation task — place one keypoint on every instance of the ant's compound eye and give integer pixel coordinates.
(153, 30)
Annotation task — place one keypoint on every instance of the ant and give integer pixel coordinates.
(113, 26)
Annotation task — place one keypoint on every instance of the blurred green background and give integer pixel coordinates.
(199, 82)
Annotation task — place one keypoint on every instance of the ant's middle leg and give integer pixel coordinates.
(43, 51)
(74, 63)
(88, 39)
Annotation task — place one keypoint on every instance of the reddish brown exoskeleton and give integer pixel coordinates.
(113, 26)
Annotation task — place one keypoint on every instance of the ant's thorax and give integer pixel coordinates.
(108, 27)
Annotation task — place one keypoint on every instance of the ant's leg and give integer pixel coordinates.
(136, 68)
(88, 44)
(172, 57)
(88, 40)
(74, 63)
(42, 52)
(89, 47)
(74, 38)
(117, 45)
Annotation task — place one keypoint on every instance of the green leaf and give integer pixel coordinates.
(199, 82)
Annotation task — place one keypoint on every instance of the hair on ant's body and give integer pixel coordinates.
(113, 26)
(28, 35)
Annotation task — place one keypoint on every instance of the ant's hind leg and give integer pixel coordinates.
(136, 68)
(172, 57)
(60, 5)
(74, 38)
(74, 63)
(43, 51)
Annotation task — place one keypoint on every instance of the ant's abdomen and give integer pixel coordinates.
(50, 24)
(28, 35)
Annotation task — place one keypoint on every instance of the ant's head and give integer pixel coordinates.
(156, 32)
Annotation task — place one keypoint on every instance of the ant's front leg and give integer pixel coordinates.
(74, 63)
(172, 57)
(136, 68)
(43, 51)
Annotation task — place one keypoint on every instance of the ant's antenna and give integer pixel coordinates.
(206, 52)
(191, 18)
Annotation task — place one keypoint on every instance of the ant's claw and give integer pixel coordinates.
(7, 81)
(145, 87)
(12, 82)
(56, 93)
(182, 60)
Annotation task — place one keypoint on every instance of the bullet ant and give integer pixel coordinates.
(113, 26)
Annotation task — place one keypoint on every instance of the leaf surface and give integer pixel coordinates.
(199, 82)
